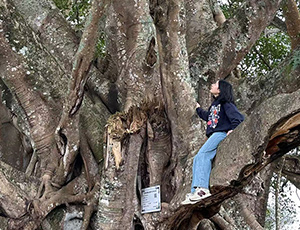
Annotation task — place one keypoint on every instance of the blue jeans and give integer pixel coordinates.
(202, 161)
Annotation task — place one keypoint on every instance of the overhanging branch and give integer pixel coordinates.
(291, 169)
(221, 52)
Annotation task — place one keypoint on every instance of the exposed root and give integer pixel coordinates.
(90, 207)
(25, 223)
(45, 187)
(222, 223)
(249, 217)
(86, 155)
(31, 164)
(88, 211)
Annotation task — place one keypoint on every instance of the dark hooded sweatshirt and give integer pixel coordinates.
(220, 117)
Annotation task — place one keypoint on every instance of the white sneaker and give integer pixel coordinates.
(187, 199)
(199, 194)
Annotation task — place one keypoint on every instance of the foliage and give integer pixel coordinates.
(287, 205)
(270, 49)
(78, 12)
(63, 5)
(101, 46)
(229, 8)
(265, 55)
(75, 11)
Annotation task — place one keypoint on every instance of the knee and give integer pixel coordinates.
(200, 155)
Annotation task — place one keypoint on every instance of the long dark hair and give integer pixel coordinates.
(226, 92)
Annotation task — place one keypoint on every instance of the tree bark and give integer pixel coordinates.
(292, 21)
(67, 133)
(197, 11)
(250, 219)
(39, 115)
(118, 202)
(290, 169)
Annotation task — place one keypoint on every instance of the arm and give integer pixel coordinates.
(202, 113)
(234, 116)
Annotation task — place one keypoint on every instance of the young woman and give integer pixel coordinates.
(222, 117)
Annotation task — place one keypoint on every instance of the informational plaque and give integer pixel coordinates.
(151, 199)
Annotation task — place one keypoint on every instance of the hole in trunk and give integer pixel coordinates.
(137, 224)
(77, 168)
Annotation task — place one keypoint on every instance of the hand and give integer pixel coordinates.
(197, 105)
(230, 131)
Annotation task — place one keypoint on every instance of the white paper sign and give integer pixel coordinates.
(151, 199)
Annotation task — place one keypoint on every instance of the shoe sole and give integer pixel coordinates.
(195, 201)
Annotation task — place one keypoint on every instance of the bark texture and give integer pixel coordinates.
(292, 21)
(290, 169)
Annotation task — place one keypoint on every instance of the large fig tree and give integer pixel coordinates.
(81, 135)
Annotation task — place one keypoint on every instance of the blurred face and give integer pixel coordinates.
(214, 88)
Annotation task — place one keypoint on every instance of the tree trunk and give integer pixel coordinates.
(292, 21)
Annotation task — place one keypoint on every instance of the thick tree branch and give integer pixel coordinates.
(55, 33)
(222, 223)
(14, 144)
(220, 53)
(291, 169)
(12, 199)
(196, 12)
(132, 45)
(16, 191)
(83, 59)
(292, 21)
(175, 78)
(67, 132)
(247, 214)
(119, 187)
(58, 39)
(39, 116)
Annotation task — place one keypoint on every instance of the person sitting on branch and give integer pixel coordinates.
(222, 118)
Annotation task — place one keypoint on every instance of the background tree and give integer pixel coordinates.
(160, 57)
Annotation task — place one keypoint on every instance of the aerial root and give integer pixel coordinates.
(45, 187)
